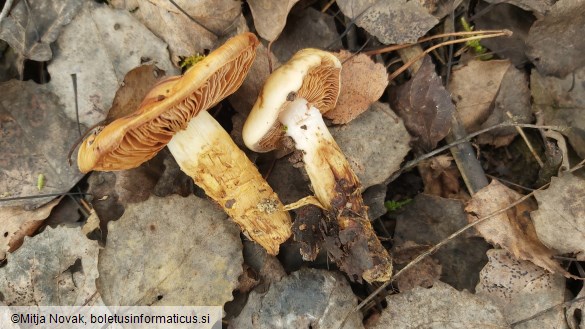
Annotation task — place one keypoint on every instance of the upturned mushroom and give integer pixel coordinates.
(174, 113)
(290, 104)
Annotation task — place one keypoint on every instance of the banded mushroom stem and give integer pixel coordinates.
(206, 153)
(336, 186)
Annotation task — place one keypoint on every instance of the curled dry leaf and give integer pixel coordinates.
(17, 223)
(32, 26)
(441, 306)
(441, 177)
(362, 83)
(522, 289)
(512, 230)
(270, 16)
(473, 96)
(391, 21)
(99, 47)
(560, 218)
(158, 243)
(561, 102)
(56, 267)
(308, 298)
(425, 106)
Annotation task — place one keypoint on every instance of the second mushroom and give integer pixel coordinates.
(290, 104)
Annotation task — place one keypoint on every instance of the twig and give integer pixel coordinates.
(436, 36)
(565, 304)
(412, 163)
(446, 43)
(327, 6)
(74, 81)
(41, 196)
(191, 18)
(525, 138)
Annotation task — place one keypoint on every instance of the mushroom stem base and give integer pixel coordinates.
(206, 153)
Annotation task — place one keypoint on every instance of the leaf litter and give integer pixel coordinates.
(375, 142)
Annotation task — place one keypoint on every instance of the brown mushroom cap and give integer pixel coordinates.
(129, 141)
(312, 74)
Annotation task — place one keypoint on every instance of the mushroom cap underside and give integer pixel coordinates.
(312, 74)
(131, 140)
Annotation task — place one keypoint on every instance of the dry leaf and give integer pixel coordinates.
(512, 230)
(521, 290)
(474, 87)
(561, 102)
(170, 251)
(294, 37)
(391, 21)
(137, 83)
(308, 298)
(35, 138)
(423, 274)
(17, 223)
(362, 83)
(185, 37)
(439, 307)
(441, 177)
(560, 218)
(514, 99)
(100, 46)
(552, 45)
(32, 26)
(425, 106)
(270, 16)
(56, 267)
(575, 311)
(427, 220)
(377, 136)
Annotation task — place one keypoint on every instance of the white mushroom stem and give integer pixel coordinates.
(206, 153)
(337, 187)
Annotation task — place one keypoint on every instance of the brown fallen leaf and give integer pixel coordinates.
(308, 298)
(137, 83)
(512, 230)
(560, 218)
(270, 16)
(441, 177)
(17, 223)
(56, 267)
(158, 243)
(354, 98)
(575, 311)
(441, 306)
(423, 274)
(511, 105)
(425, 106)
(522, 289)
(473, 96)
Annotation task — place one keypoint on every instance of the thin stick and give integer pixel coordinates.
(191, 18)
(412, 163)
(74, 81)
(40, 196)
(437, 36)
(327, 6)
(446, 43)
(525, 138)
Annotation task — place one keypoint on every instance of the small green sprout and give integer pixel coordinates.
(392, 205)
(475, 44)
(192, 60)
(40, 181)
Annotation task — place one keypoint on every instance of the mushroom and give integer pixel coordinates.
(174, 113)
(291, 103)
